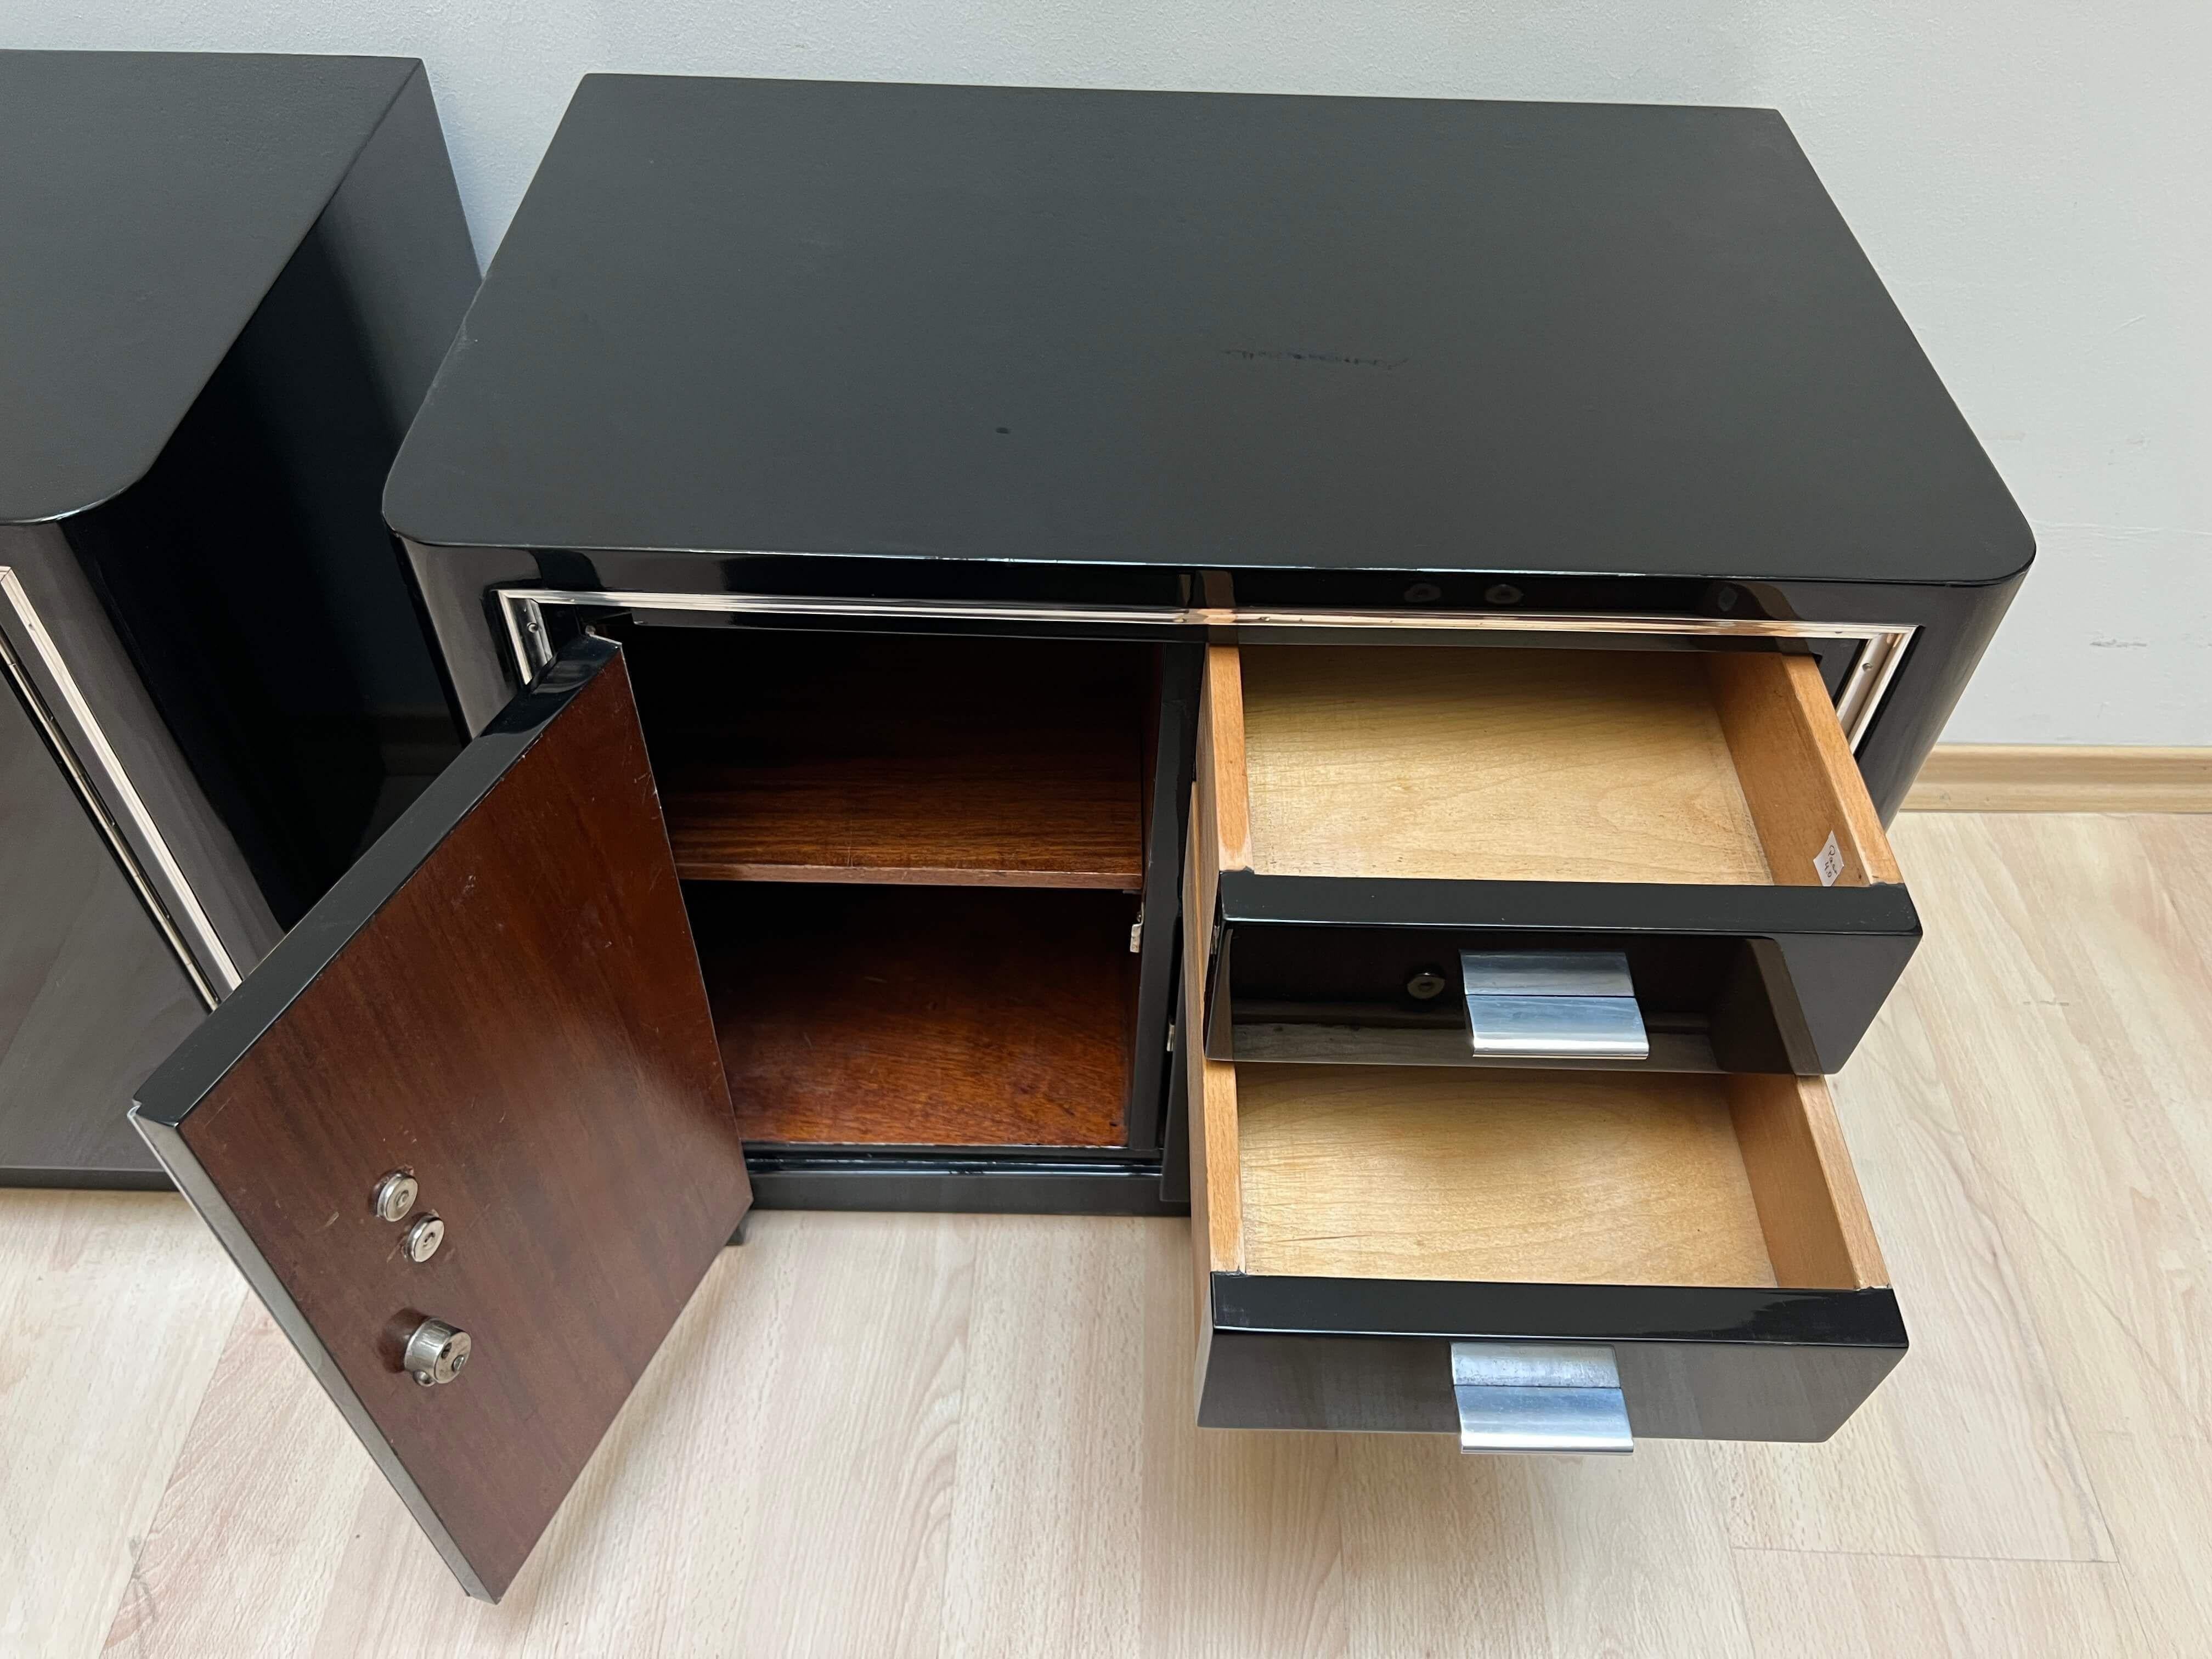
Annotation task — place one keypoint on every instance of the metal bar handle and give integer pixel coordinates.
(1552, 1005)
(1558, 1397)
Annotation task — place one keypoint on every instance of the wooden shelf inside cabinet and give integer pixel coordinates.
(1049, 809)
(971, 763)
(920, 1015)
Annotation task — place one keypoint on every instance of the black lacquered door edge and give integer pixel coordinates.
(1159, 956)
(234, 1026)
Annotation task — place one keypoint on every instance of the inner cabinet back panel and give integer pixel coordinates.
(1554, 1177)
(1492, 764)
(911, 1016)
(868, 757)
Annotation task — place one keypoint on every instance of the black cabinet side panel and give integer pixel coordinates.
(91, 997)
(248, 571)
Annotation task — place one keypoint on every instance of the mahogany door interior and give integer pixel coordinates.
(502, 1001)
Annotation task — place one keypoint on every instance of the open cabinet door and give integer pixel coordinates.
(501, 1002)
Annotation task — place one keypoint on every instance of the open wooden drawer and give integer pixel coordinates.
(1368, 814)
(1693, 1248)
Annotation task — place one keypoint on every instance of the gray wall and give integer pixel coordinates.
(2035, 182)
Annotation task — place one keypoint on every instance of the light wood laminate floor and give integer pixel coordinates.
(879, 1435)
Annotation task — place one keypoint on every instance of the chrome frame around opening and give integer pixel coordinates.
(96, 773)
(522, 610)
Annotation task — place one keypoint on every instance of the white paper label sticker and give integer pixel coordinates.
(1829, 863)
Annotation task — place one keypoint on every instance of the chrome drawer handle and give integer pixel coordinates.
(1560, 1397)
(1552, 1005)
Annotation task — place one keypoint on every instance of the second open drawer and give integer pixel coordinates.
(1362, 1232)
(1367, 814)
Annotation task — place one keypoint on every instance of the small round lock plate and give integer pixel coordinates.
(436, 1353)
(395, 1195)
(422, 1239)
(1425, 985)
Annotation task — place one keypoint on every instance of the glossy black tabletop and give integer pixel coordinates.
(1198, 329)
(148, 200)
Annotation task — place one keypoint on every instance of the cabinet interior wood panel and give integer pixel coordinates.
(839, 757)
(919, 1015)
(1547, 1177)
(1799, 778)
(1590, 1177)
(1565, 765)
(1810, 1207)
(1217, 1218)
(1492, 764)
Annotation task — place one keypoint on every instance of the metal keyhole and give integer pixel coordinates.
(1426, 986)
(395, 1195)
(422, 1239)
(436, 1353)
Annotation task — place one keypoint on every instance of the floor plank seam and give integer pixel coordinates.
(1977, 1184)
(1920, 1555)
(2180, 1398)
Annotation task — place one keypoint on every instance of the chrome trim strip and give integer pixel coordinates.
(521, 608)
(96, 772)
(510, 612)
(1867, 683)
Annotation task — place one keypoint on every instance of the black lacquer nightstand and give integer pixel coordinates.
(1337, 663)
(225, 283)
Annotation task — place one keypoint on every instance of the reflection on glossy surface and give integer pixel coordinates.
(1695, 1363)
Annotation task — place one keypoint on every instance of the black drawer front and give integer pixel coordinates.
(1695, 1363)
(1733, 979)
